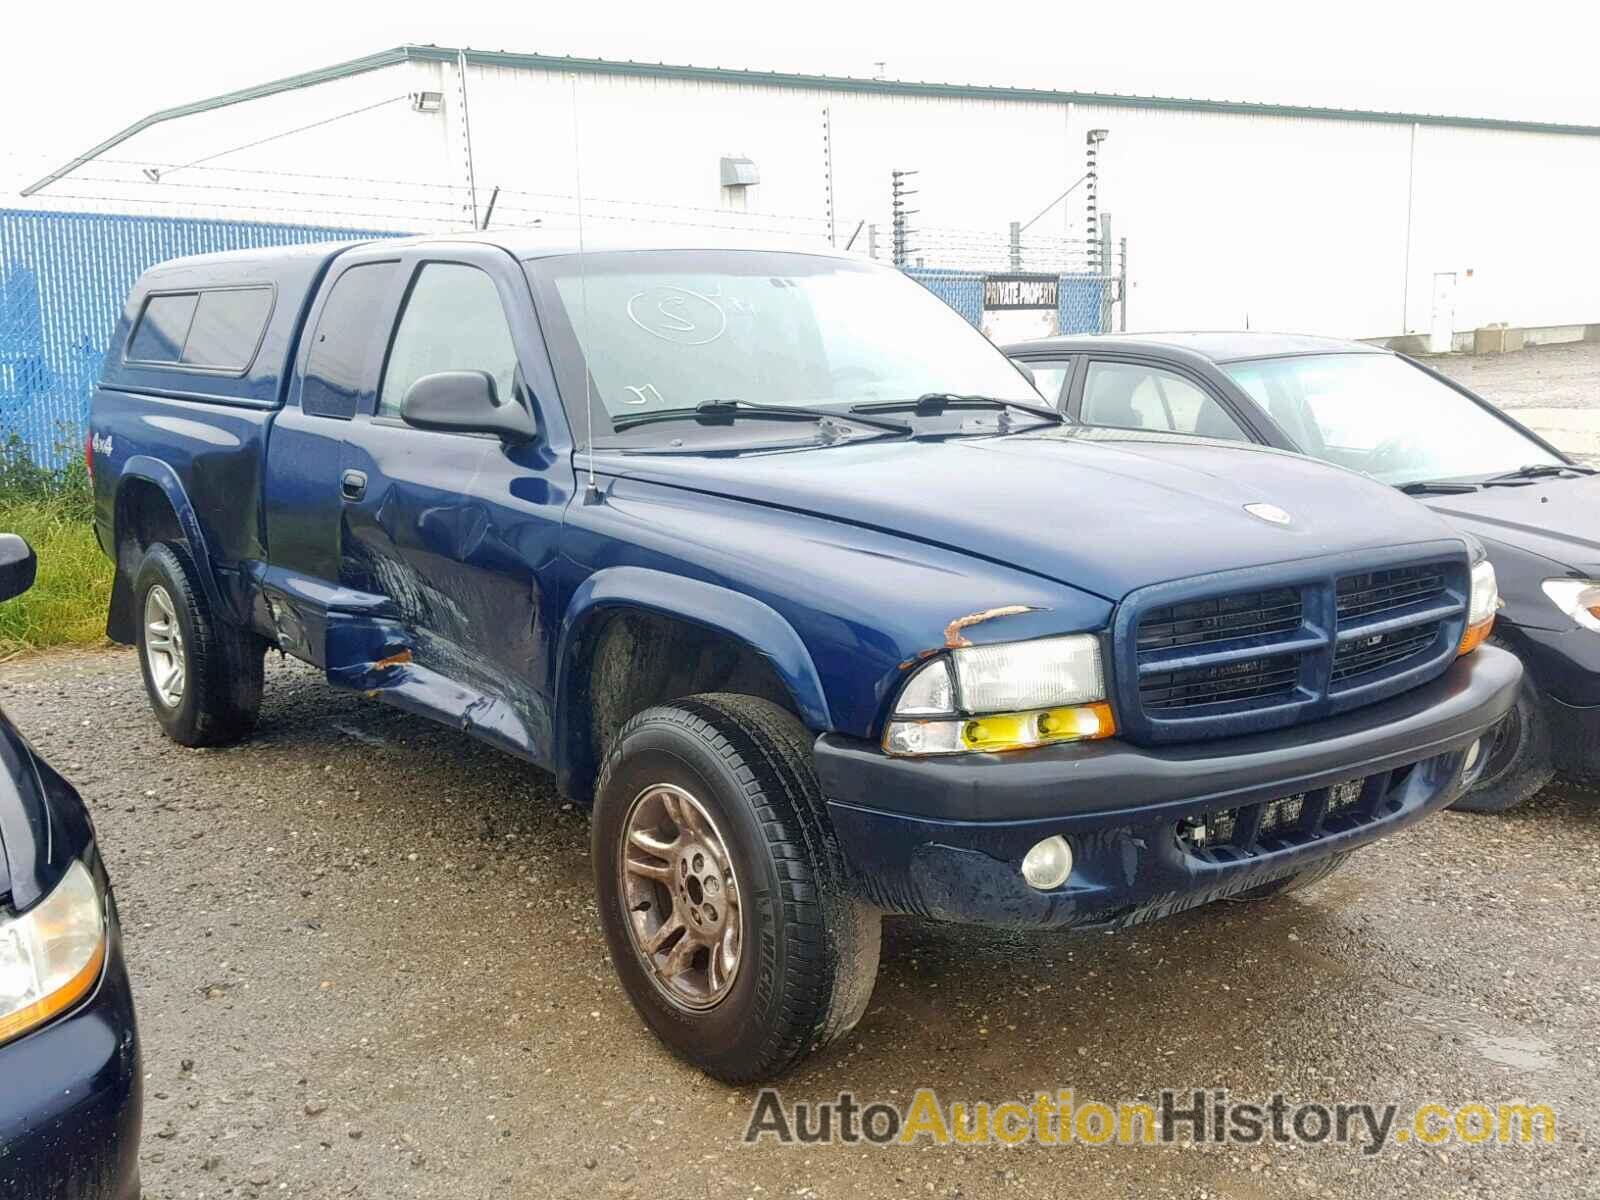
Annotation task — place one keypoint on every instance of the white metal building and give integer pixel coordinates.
(1343, 222)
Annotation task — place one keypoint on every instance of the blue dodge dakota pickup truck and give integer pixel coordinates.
(779, 565)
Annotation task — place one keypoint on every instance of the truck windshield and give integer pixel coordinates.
(1378, 414)
(668, 330)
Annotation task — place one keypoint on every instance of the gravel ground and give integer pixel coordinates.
(367, 965)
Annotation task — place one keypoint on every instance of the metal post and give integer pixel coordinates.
(1122, 286)
(466, 133)
(1106, 265)
(898, 193)
(872, 240)
(827, 170)
(1016, 245)
(1091, 199)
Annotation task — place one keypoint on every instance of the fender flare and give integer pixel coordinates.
(722, 609)
(153, 470)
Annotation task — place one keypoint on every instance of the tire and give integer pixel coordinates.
(218, 684)
(1518, 754)
(737, 771)
(1315, 873)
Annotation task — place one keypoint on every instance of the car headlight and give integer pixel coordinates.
(1481, 608)
(1004, 697)
(51, 955)
(1578, 598)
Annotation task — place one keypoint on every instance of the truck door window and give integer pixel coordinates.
(341, 348)
(452, 321)
(1135, 396)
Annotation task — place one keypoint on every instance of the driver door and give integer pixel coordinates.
(458, 530)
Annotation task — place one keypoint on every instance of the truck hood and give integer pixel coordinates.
(1557, 519)
(1104, 515)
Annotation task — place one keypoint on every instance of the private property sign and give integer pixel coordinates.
(1020, 291)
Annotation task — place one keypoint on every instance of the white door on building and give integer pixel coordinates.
(1442, 333)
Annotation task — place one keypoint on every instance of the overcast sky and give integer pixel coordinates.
(78, 76)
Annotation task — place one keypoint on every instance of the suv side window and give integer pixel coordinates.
(452, 321)
(1135, 396)
(336, 367)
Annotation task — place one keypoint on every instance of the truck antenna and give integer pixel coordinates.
(593, 492)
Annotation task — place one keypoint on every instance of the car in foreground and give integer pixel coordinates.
(71, 1098)
(785, 570)
(1398, 421)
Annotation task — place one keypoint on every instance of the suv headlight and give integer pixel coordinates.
(1578, 598)
(51, 955)
(1481, 608)
(1004, 697)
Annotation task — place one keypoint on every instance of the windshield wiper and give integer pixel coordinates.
(931, 404)
(1536, 471)
(719, 412)
(1436, 487)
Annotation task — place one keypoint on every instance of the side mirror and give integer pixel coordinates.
(17, 566)
(1026, 372)
(465, 402)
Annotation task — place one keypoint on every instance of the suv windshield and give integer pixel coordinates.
(667, 330)
(1379, 414)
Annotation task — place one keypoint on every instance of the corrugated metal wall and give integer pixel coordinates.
(63, 279)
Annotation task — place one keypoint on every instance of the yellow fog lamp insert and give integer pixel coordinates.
(1011, 696)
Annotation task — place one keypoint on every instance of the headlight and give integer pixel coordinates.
(50, 956)
(1005, 697)
(1578, 598)
(1481, 608)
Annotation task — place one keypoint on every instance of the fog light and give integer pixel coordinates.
(1470, 764)
(1048, 864)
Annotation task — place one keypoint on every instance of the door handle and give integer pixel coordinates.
(353, 485)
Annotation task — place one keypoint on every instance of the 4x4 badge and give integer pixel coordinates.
(1268, 512)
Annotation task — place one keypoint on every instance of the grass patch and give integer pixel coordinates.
(67, 605)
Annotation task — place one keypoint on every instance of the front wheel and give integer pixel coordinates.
(204, 677)
(1518, 760)
(719, 887)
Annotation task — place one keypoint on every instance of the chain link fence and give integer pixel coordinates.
(979, 273)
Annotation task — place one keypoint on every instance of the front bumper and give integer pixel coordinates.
(72, 1101)
(945, 837)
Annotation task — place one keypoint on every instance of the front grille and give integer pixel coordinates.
(1199, 622)
(1377, 593)
(1252, 679)
(1291, 644)
(1235, 834)
(1363, 656)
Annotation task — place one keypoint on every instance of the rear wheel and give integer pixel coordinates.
(204, 677)
(719, 886)
(1518, 760)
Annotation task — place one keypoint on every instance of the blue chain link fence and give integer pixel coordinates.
(63, 278)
